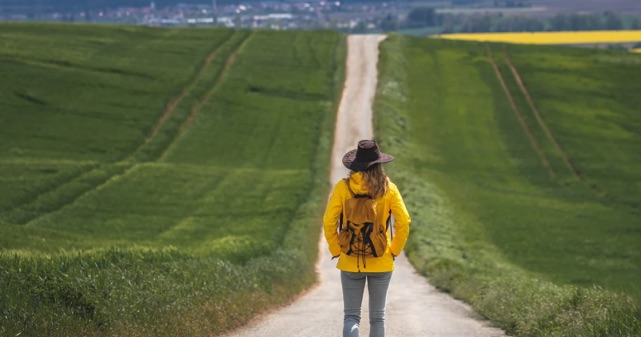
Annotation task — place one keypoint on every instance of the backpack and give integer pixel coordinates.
(359, 232)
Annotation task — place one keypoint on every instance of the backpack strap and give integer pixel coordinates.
(389, 225)
(341, 220)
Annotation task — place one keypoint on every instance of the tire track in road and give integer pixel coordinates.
(535, 144)
(414, 307)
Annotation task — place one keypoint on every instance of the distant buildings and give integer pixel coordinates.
(266, 14)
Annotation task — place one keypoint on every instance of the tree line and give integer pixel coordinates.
(453, 23)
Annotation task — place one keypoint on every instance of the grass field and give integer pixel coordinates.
(533, 220)
(584, 37)
(160, 182)
(129, 156)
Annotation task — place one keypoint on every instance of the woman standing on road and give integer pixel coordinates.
(366, 177)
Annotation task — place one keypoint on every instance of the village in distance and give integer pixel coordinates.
(407, 17)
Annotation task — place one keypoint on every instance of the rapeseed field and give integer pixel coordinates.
(622, 36)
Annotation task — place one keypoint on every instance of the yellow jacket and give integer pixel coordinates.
(392, 200)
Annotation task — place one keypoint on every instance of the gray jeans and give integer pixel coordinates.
(353, 287)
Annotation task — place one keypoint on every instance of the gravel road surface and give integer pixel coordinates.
(414, 307)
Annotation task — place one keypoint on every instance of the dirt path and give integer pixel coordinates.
(414, 307)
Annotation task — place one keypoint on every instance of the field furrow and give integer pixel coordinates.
(171, 106)
(535, 144)
(64, 194)
(45, 184)
(175, 193)
(198, 93)
(58, 196)
(540, 120)
(218, 80)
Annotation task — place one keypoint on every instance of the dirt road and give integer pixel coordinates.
(414, 307)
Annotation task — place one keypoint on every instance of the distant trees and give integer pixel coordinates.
(477, 23)
(360, 28)
(605, 21)
(389, 23)
(423, 17)
(512, 23)
(613, 21)
(519, 24)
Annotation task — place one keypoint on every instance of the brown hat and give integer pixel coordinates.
(366, 155)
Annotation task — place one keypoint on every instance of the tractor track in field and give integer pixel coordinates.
(535, 144)
(219, 80)
(127, 166)
(199, 104)
(537, 115)
(574, 171)
(201, 101)
(173, 103)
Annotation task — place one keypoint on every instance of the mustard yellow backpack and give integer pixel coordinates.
(359, 233)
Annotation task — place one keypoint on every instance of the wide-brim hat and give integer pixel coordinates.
(364, 156)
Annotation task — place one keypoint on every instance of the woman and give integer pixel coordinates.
(366, 177)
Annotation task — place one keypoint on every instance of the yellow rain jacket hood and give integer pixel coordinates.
(392, 200)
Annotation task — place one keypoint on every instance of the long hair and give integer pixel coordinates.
(375, 180)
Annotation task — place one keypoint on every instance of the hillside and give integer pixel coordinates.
(522, 169)
(150, 175)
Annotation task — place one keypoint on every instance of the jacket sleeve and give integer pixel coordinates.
(330, 221)
(402, 223)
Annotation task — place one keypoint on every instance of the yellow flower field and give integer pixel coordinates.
(636, 50)
(620, 36)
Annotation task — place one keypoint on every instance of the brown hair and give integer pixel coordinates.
(375, 180)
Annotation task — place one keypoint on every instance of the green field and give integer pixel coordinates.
(534, 221)
(160, 182)
(170, 182)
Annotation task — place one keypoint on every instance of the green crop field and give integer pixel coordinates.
(169, 182)
(526, 205)
(163, 182)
